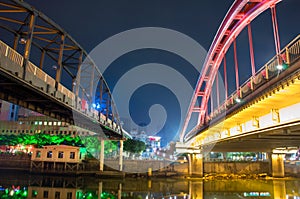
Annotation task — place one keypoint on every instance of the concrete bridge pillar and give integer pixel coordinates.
(279, 189)
(195, 164)
(100, 186)
(101, 155)
(196, 190)
(121, 156)
(120, 190)
(277, 162)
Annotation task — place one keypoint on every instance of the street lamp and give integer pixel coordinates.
(238, 100)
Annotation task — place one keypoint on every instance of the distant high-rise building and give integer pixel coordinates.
(8, 111)
(23, 113)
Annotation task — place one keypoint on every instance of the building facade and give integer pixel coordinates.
(58, 157)
(8, 111)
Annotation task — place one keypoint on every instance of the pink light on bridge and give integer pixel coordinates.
(240, 15)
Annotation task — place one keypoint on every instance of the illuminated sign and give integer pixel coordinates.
(255, 194)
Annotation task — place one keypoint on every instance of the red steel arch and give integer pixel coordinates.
(241, 13)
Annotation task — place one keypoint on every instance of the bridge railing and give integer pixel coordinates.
(287, 57)
(11, 53)
(38, 78)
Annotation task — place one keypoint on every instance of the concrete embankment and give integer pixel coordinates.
(227, 169)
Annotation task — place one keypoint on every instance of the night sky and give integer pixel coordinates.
(91, 22)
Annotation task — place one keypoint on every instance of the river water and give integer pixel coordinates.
(22, 185)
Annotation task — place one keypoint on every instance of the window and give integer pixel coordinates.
(49, 154)
(38, 154)
(60, 154)
(80, 155)
(69, 195)
(72, 155)
(57, 195)
(46, 193)
(34, 194)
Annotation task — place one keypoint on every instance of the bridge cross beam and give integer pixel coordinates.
(28, 43)
(77, 79)
(59, 61)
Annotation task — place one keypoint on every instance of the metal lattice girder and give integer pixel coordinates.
(45, 44)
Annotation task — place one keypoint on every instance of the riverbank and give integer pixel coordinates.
(211, 170)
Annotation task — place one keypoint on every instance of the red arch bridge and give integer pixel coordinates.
(256, 117)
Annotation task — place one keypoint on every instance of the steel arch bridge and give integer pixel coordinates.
(44, 69)
(240, 15)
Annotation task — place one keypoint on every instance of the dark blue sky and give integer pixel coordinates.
(91, 22)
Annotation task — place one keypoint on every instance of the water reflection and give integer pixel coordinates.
(17, 185)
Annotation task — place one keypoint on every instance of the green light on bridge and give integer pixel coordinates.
(282, 67)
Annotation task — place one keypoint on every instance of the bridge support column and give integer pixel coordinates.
(195, 164)
(100, 187)
(101, 155)
(279, 189)
(196, 189)
(277, 162)
(121, 156)
(120, 191)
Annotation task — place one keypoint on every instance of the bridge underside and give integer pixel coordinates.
(20, 92)
(264, 140)
(278, 93)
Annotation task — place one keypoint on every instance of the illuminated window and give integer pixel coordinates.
(50, 123)
(72, 155)
(45, 123)
(60, 154)
(58, 123)
(38, 154)
(49, 154)
(54, 123)
(34, 194)
(40, 123)
(36, 123)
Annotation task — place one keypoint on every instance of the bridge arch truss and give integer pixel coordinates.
(42, 54)
(240, 15)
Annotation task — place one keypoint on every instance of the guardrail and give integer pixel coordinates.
(11, 53)
(287, 57)
(41, 80)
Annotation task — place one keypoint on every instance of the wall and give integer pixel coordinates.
(11, 161)
(228, 167)
(237, 167)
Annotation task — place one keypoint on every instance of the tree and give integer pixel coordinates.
(134, 146)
